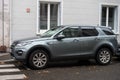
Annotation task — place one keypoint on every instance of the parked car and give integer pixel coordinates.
(67, 43)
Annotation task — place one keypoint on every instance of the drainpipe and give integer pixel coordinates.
(3, 47)
(10, 23)
(3, 22)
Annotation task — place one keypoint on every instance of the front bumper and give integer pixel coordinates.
(18, 53)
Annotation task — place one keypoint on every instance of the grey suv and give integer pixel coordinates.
(67, 43)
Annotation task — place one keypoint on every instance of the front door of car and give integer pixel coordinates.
(68, 45)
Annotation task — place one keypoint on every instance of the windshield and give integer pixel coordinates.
(51, 32)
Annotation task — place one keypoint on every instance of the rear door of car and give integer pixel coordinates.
(88, 39)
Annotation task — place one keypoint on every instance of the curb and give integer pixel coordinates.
(8, 61)
(4, 54)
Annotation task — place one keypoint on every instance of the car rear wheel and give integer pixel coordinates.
(38, 59)
(104, 56)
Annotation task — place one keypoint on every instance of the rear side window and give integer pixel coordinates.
(107, 31)
(89, 32)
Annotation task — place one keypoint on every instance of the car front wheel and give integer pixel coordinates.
(104, 56)
(38, 59)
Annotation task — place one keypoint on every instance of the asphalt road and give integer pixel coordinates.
(74, 70)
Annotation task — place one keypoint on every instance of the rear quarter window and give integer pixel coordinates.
(107, 31)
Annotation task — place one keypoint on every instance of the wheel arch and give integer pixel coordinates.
(105, 46)
(38, 47)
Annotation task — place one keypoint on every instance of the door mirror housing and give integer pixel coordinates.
(59, 37)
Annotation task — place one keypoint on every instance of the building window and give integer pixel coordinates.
(53, 15)
(43, 16)
(110, 17)
(49, 15)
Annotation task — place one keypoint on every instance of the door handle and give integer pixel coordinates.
(75, 40)
(97, 38)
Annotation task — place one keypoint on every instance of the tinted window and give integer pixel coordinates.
(107, 31)
(70, 32)
(89, 32)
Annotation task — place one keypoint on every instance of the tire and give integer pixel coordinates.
(103, 56)
(38, 59)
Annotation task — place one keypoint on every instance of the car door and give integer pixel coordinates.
(88, 40)
(68, 46)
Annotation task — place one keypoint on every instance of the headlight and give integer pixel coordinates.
(23, 44)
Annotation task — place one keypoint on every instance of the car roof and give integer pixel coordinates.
(86, 26)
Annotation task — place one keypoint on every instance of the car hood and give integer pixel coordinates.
(31, 39)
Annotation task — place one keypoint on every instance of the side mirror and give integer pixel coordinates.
(59, 37)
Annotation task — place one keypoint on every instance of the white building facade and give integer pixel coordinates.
(29, 18)
(4, 24)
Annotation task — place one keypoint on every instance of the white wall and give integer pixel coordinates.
(1, 23)
(110, 1)
(23, 24)
(85, 12)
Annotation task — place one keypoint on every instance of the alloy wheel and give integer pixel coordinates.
(39, 59)
(104, 56)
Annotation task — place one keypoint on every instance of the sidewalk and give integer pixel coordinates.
(5, 56)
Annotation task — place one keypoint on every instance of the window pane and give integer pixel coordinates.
(89, 32)
(75, 32)
(71, 32)
(107, 31)
(111, 17)
(53, 15)
(104, 11)
(67, 33)
(43, 16)
(51, 32)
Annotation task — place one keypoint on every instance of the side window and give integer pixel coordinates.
(66, 33)
(70, 32)
(89, 32)
(107, 31)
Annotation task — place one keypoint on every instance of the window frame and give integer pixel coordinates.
(60, 14)
(116, 28)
